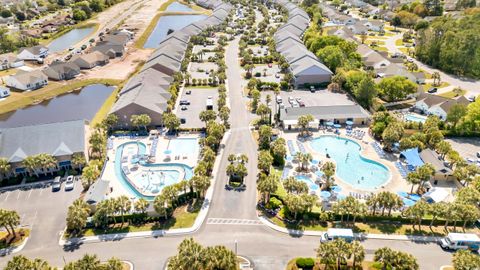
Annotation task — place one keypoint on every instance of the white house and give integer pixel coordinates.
(4, 92)
(27, 80)
(374, 25)
(34, 53)
(437, 105)
(9, 60)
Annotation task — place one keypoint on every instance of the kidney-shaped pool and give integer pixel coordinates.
(352, 167)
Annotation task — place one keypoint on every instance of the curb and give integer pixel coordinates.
(156, 233)
(12, 250)
(130, 264)
(359, 236)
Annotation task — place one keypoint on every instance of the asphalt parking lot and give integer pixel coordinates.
(40, 209)
(269, 72)
(197, 99)
(466, 147)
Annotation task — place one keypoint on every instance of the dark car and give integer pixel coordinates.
(189, 92)
(57, 184)
(432, 90)
(183, 120)
(184, 102)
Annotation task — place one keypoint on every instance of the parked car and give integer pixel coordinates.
(277, 75)
(312, 89)
(290, 100)
(57, 184)
(183, 108)
(279, 99)
(183, 120)
(432, 90)
(334, 233)
(269, 65)
(455, 241)
(184, 102)
(294, 104)
(410, 60)
(189, 92)
(69, 183)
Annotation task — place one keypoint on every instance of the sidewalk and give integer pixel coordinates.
(158, 233)
(359, 236)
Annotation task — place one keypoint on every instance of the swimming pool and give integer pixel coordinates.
(184, 146)
(311, 184)
(352, 167)
(415, 118)
(148, 178)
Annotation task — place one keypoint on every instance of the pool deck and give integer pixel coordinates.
(109, 172)
(396, 182)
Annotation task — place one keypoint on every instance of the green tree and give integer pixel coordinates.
(141, 205)
(265, 161)
(456, 113)
(201, 183)
(268, 185)
(90, 174)
(207, 116)
(328, 169)
(392, 134)
(77, 216)
(365, 92)
(396, 88)
(142, 120)
(279, 150)
(171, 121)
(124, 205)
(5, 168)
(465, 260)
(303, 122)
(417, 212)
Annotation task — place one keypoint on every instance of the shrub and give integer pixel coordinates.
(305, 263)
(274, 203)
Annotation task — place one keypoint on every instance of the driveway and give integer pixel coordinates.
(472, 86)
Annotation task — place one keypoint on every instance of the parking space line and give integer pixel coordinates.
(30, 193)
(41, 191)
(18, 196)
(8, 194)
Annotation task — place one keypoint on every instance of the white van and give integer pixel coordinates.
(456, 241)
(332, 234)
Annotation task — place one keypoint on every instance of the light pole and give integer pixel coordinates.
(236, 247)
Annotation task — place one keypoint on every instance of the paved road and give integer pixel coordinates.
(471, 85)
(234, 204)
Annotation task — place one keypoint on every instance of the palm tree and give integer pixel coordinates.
(358, 253)
(18, 262)
(77, 216)
(90, 174)
(88, 262)
(268, 185)
(13, 220)
(417, 212)
(328, 170)
(187, 77)
(304, 159)
(113, 264)
(161, 206)
(3, 220)
(125, 205)
(386, 256)
(32, 164)
(201, 183)
(190, 255)
(78, 160)
(413, 179)
(48, 162)
(112, 208)
(4, 167)
(141, 205)
(372, 203)
(425, 172)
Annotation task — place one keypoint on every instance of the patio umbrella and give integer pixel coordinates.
(336, 189)
(408, 202)
(337, 126)
(402, 194)
(329, 124)
(349, 123)
(289, 158)
(319, 173)
(314, 161)
(325, 194)
(167, 152)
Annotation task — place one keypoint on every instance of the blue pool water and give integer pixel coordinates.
(415, 118)
(352, 168)
(184, 146)
(155, 176)
(311, 184)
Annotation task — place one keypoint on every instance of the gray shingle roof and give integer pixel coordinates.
(325, 112)
(57, 139)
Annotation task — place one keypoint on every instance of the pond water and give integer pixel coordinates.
(166, 23)
(69, 39)
(177, 7)
(82, 104)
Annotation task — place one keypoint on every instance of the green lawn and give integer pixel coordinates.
(429, 85)
(451, 94)
(182, 218)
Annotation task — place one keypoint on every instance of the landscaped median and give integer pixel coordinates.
(11, 244)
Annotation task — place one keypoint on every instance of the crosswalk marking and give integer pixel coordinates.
(233, 221)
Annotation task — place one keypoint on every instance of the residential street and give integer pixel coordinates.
(472, 86)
